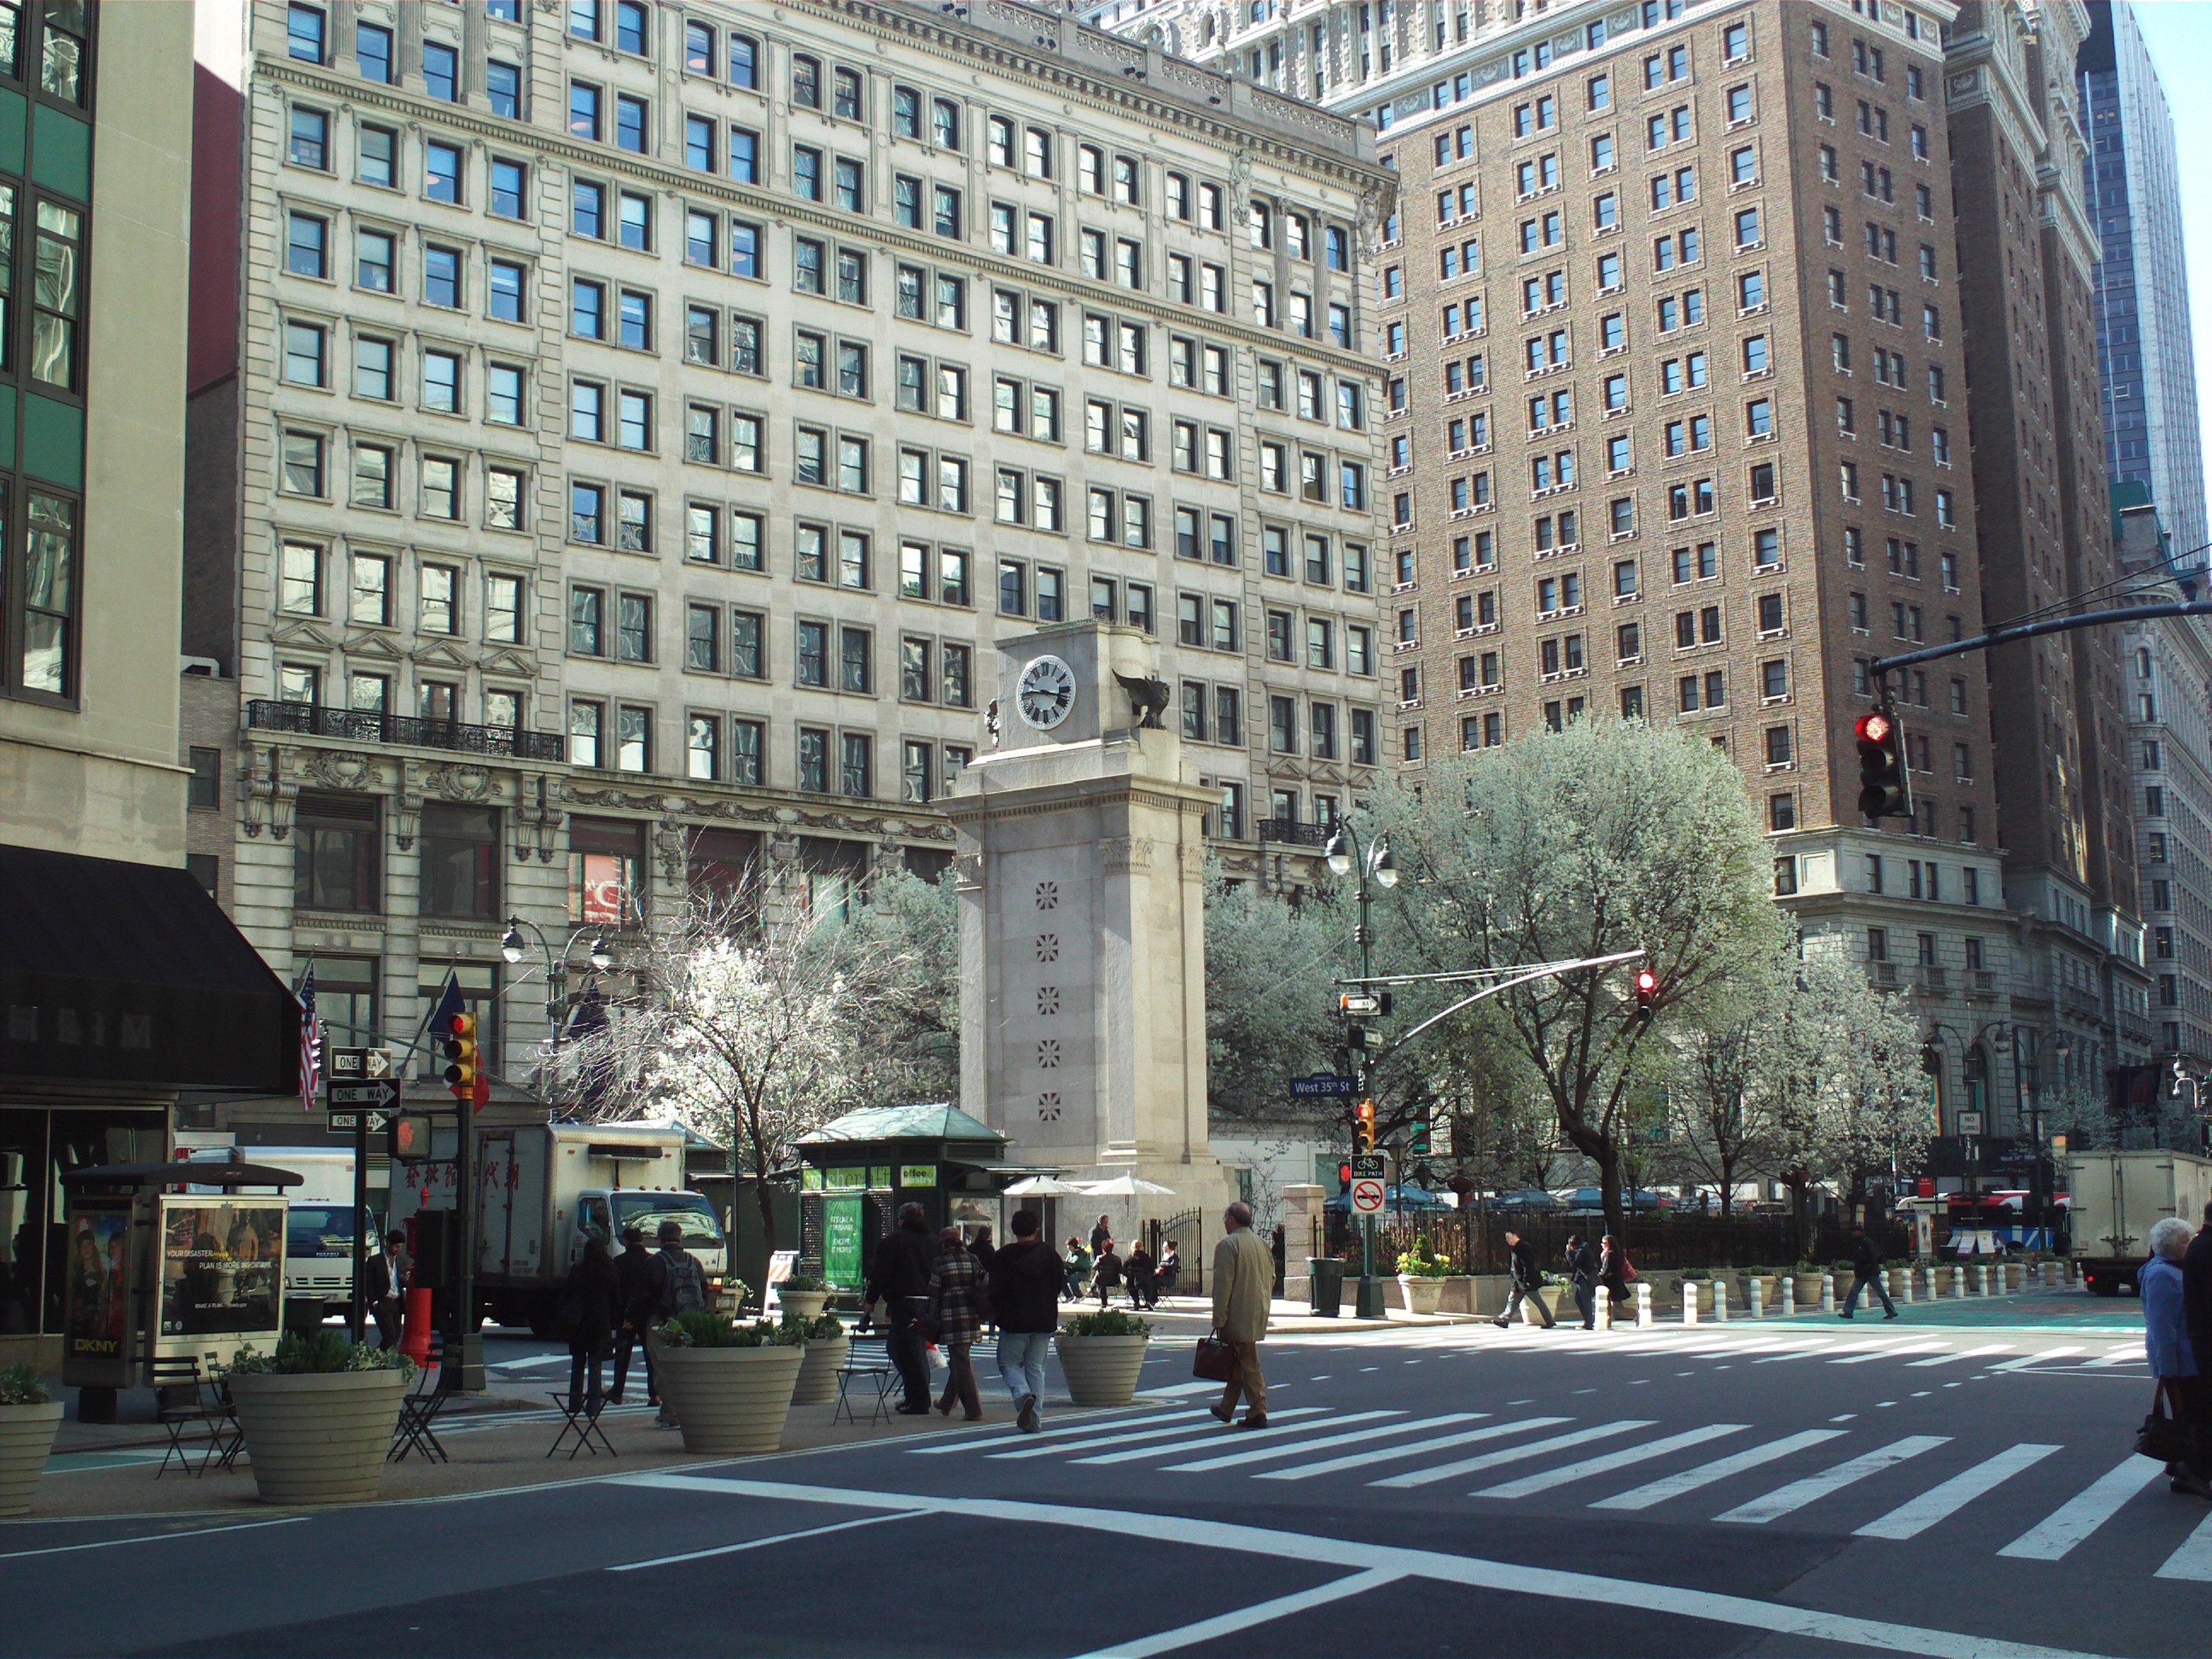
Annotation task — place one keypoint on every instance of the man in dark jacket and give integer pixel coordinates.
(2196, 1296)
(1866, 1269)
(1520, 1271)
(900, 1279)
(384, 1283)
(1137, 1270)
(1582, 1273)
(642, 1278)
(1026, 1277)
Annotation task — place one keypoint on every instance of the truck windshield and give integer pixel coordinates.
(319, 1230)
(703, 1229)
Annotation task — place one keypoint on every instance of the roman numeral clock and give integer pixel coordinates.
(1045, 694)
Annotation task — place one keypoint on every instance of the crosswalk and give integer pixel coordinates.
(2028, 1499)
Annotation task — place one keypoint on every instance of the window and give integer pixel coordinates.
(311, 140)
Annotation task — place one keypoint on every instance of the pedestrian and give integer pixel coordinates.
(1026, 1277)
(1243, 1280)
(643, 1277)
(1866, 1270)
(384, 1284)
(980, 1247)
(956, 1289)
(2196, 1294)
(1076, 1262)
(1168, 1271)
(1099, 1234)
(1137, 1270)
(2173, 1358)
(591, 1308)
(1582, 1273)
(1106, 1273)
(1525, 1283)
(899, 1278)
(1614, 1271)
(683, 1288)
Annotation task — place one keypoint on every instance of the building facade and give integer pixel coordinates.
(648, 417)
(2144, 343)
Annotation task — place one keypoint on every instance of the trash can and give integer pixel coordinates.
(1326, 1275)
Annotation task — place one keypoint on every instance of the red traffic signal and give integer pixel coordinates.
(1884, 790)
(1647, 994)
(1343, 1175)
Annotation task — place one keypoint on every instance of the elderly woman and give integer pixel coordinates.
(957, 1292)
(2165, 1338)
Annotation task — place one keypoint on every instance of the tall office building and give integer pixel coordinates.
(641, 421)
(2144, 347)
(1676, 424)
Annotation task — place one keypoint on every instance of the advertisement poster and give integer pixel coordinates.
(222, 1267)
(841, 1249)
(96, 1300)
(603, 889)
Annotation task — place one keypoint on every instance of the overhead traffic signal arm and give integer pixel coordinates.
(1884, 783)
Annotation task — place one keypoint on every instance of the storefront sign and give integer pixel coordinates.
(917, 1175)
(603, 889)
(849, 1179)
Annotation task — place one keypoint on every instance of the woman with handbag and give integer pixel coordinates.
(2173, 1363)
(956, 1308)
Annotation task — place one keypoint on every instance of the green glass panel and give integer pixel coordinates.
(15, 112)
(7, 426)
(61, 152)
(54, 441)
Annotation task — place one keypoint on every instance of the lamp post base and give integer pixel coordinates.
(1369, 1303)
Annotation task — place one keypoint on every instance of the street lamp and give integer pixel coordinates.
(600, 956)
(1344, 855)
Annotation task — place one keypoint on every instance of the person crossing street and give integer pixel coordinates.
(1582, 1273)
(1243, 1280)
(1866, 1269)
(1526, 1282)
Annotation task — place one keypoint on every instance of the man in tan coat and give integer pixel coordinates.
(1243, 1281)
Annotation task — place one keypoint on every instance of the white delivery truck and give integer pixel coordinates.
(319, 1226)
(2116, 1198)
(543, 1188)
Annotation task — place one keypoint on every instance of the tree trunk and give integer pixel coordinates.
(1728, 1186)
(1607, 1157)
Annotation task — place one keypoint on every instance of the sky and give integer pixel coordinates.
(2180, 35)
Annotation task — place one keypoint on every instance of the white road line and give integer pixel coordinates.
(1128, 1438)
(1786, 1500)
(1089, 1426)
(151, 1538)
(1367, 1459)
(1941, 1503)
(1902, 1348)
(2121, 1355)
(1514, 1453)
(1178, 1390)
(1736, 1350)
(2193, 1560)
(2083, 1513)
(1968, 1353)
(1177, 1447)
(756, 1543)
(1260, 1612)
(1234, 1460)
(1567, 1472)
(1795, 1351)
(1816, 1626)
(1674, 1486)
(2025, 1360)
(1876, 1346)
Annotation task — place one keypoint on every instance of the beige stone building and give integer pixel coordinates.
(647, 417)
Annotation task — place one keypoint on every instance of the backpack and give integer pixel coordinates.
(685, 1289)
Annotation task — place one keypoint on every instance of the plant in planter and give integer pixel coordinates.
(317, 1415)
(1421, 1275)
(803, 1295)
(730, 1385)
(29, 1417)
(827, 1348)
(1101, 1354)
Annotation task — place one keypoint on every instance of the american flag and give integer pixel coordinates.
(311, 1041)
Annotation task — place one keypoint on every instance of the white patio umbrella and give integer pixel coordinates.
(1124, 1185)
(1045, 1187)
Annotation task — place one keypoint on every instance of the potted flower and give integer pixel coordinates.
(804, 1295)
(317, 1416)
(1421, 1275)
(730, 1385)
(29, 1419)
(1807, 1277)
(1100, 1354)
(827, 1347)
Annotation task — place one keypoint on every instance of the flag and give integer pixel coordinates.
(449, 1004)
(311, 1041)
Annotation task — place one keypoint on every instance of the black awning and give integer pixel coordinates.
(112, 972)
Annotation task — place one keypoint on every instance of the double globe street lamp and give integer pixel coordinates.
(1344, 854)
(511, 946)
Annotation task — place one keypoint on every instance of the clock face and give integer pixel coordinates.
(1046, 693)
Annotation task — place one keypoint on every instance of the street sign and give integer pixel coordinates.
(381, 1096)
(1355, 1005)
(1308, 1088)
(1366, 1195)
(1970, 1123)
(1377, 1165)
(357, 1065)
(352, 1120)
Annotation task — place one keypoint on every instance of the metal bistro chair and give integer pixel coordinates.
(205, 1402)
(420, 1406)
(583, 1422)
(875, 1368)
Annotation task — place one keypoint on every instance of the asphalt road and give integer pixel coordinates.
(1814, 1488)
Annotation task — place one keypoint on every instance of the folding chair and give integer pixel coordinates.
(877, 1371)
(583, 1422)
(206, 1402)
(420, 1406)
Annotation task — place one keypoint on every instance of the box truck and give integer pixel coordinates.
(2116, 1198)
(543, 1188)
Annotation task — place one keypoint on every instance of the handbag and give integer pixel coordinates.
(2168, 1439)
(1214, 1361)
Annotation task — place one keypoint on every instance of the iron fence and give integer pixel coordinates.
(360, 726)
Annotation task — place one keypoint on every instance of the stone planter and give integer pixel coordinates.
(729, 1401)
(1808, 1292)
(320, 1439)
(1560, 1299)
(1705, 1289)
(1459, 1295)
(1101, 1371)
(1422, 1296)
(818, 1374)
(807, 1304)
(26, 1435)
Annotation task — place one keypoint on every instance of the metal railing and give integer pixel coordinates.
(1292, 833)
(311, 720)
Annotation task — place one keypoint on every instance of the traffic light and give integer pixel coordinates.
(1647, 995)
(410, 1137)
(1884, 790)
(1343, 1175)
(1364, 1130)
(461, 1057)
(1418, 1136)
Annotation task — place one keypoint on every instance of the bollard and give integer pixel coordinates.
(1981, 1279)
(1758, 1297)
(1827, 1293)
(1959, 1281)
(415, 1335)
(1906, 1279)
(1603, 1303)
(1720, 1301)
(1644, 1303)
(1789, 1295)
(1689, 1303)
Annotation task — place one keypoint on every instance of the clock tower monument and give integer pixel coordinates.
(1083, 922)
